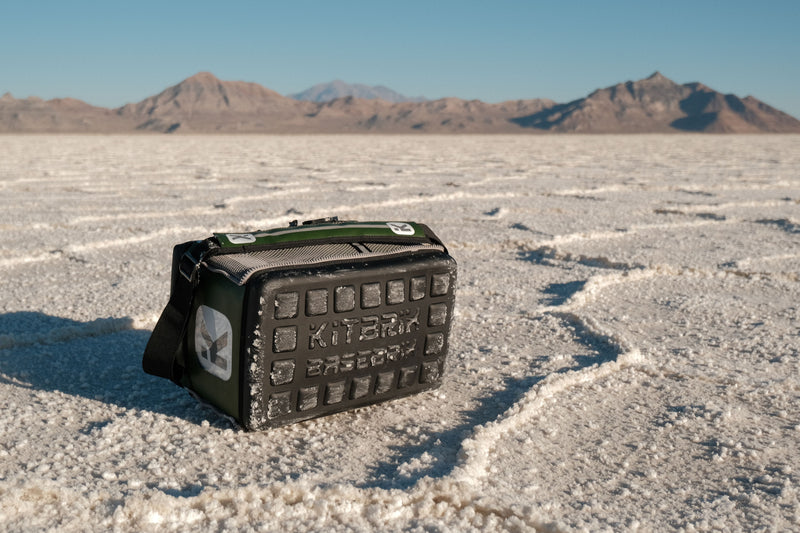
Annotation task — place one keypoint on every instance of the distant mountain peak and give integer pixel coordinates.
(656, 79)
(658, 104)
(326, 92)
(201, 102)
(203, 77)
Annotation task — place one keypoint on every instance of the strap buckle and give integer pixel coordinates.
(189, 265)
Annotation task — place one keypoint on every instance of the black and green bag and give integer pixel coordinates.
(282, 325)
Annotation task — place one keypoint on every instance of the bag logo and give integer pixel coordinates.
(241, 238)
(213, 337)
(401, 228)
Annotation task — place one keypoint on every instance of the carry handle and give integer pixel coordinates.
(326, 230)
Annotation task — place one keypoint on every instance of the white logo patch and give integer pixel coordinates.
(241, 238)
(213, 339)
(401, 228)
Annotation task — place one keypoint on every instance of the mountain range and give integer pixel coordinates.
(205, 104)
(325, 92)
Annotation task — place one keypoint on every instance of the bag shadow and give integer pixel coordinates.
(100, 360)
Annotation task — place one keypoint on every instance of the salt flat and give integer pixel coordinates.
(625, 353)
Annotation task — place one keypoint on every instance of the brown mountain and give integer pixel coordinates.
(658, 104)
(205, 104)
(446, 115)
(60, 115)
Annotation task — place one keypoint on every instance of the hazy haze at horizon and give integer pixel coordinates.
(109, 55)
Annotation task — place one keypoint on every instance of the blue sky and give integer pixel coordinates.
(109, 53)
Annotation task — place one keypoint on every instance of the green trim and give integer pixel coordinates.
(314, 232)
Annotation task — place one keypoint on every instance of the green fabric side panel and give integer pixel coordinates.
(227, 300)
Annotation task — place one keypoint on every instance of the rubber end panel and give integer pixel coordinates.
(326, 340)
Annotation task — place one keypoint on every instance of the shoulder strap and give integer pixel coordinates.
(163, 355)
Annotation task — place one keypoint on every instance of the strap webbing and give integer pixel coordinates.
(163, 355)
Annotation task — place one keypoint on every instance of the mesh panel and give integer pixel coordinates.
(240, 267)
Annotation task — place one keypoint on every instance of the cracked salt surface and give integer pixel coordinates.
(625, 352)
